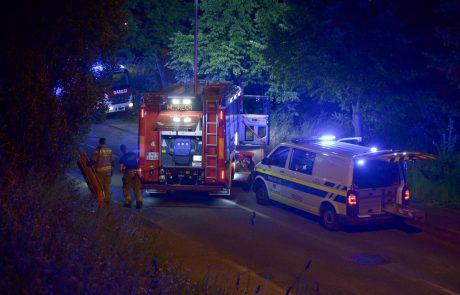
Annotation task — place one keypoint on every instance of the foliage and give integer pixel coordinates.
(150, 26)
(346, 52)
(438, 182)
(312, 123)
(232, 36)
(47, 91)
(448, 60)
(54, 242)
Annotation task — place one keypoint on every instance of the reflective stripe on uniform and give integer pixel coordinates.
(102, 157)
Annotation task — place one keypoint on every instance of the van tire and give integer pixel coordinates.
(329, 217)
(262, 194)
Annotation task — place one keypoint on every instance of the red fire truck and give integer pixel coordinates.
(192, 143)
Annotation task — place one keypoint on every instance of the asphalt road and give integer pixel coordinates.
(279, 243)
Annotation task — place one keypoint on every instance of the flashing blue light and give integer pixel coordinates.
(97, 67)
(58, 91)
(122, 66)
(360, 162)
(327, 138)
(374, 149)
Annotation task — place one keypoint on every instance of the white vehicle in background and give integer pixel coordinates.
(343, 183)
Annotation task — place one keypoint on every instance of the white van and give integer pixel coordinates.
(338, 181)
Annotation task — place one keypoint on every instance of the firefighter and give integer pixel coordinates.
(101, 160)
(129, 167)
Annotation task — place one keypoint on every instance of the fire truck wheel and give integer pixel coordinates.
(262, 194)
(329, 218)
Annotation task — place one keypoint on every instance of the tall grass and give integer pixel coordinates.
(53, 242)
(439, 181)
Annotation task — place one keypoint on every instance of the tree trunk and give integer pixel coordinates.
(161, 72)
(357, 120)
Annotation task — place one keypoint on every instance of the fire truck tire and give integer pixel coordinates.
(329, 217)
(261, 193)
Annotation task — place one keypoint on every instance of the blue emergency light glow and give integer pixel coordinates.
(97, 67)
(327, 138)
(373, 149)
(360, 162)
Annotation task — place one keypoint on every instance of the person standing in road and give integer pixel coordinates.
(101, 160)
(129, 167)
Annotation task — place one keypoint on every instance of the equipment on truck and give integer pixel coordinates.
(189, 142)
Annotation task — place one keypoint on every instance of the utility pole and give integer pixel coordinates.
(195, 57)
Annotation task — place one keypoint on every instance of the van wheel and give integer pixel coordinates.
(262, 194)
(329, 218)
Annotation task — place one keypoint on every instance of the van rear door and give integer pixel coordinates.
(377, 184)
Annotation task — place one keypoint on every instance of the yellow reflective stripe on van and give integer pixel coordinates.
(301, 182)
(294, 204)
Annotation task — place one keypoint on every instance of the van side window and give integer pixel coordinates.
(302, 161)
(279, 157)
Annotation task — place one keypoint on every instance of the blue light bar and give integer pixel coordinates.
(327, 138)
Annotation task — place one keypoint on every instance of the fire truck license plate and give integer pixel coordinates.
(152, 156)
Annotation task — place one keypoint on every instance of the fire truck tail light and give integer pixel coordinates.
(351, 199)
(221, 115)
(142, 113)
(222, 174)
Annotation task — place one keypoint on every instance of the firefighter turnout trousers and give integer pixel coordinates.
(105, 179)
(132, 181)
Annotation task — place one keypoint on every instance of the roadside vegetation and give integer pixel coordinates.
(55, 242)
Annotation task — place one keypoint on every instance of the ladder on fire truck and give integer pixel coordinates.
(210, 132)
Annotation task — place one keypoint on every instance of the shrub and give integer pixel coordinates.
(437, 181)
(54, 242)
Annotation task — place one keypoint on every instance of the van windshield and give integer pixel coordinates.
(375, 173)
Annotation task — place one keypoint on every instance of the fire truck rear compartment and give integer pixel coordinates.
(181, 159)
(181, 151)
